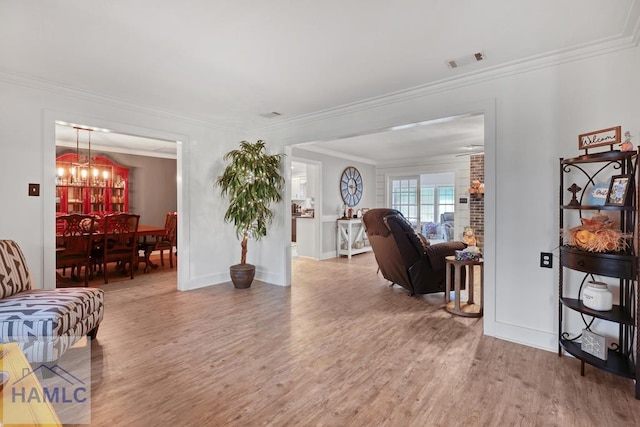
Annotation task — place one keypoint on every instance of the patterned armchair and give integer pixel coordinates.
(44, 323)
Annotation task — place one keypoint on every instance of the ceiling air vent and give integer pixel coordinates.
(271, 115)
(466, 60)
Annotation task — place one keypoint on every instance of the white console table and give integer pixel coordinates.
(350, 234)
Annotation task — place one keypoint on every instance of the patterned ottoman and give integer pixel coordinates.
(45, 323)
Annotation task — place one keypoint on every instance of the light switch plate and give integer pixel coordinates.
(594, 344)
(34, 189)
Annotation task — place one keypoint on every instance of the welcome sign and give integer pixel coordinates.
(600, 137)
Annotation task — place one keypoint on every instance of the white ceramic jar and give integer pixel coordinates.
(597, 296)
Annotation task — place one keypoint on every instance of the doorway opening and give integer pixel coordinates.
(100, 172)
(440, 148)
(306, 207)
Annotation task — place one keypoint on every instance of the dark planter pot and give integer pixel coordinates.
(242, 275)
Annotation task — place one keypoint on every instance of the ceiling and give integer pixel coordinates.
(441, 138)
(103, 140)
(234, 63)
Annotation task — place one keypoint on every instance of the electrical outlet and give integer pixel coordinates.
(34, 189)
(546, 259)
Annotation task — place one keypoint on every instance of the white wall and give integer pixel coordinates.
(332, 168)
(27, 134)
(531, 119)
(437, 179)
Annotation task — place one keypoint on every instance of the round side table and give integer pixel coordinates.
(466, 308)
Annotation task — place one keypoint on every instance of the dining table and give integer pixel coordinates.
(144, 232)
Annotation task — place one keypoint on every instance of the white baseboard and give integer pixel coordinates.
(328, 255)
(209, 280)
(521, 335)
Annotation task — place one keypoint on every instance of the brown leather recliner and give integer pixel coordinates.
(403, 257)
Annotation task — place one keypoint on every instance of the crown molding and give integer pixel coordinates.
(32, 82)
(526, 65)
(632, 24)
(629, 37)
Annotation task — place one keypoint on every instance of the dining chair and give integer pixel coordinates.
(164, 242)
(120, 242)
(73, 243)
(96, 245)
(168, 241)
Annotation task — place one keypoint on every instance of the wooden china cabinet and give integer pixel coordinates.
(101, 186)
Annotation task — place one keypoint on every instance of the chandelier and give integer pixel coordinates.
(82, 170)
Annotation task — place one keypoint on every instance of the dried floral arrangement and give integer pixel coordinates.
(597, 234)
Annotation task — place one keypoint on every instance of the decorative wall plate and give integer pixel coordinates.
(351, 186)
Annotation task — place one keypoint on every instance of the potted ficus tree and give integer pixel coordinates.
(251, 182)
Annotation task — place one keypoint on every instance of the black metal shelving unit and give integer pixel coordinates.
(622, 355)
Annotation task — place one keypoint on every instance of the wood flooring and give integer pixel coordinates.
(338, 348)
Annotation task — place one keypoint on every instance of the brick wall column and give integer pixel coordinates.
(476, 201)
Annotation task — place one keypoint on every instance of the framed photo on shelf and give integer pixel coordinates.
(618, 190)
(598, 194)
